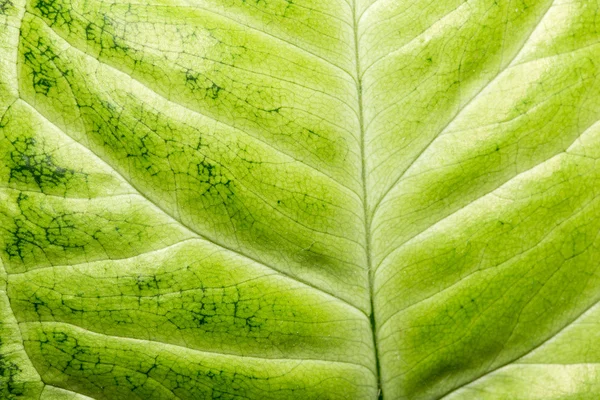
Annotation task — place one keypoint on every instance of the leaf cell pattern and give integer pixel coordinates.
(299, 199)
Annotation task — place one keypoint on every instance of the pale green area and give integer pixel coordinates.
(54, 393)
(299, 199)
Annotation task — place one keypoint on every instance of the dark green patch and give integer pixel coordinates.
(288, 6)
(110, 40)
(31, 165)
(197, 313)
(198, 82)
(34, 231)
(60, 337)
(9, 388)
(214, 90)
(54, 12)
(147, 283)
(5, 5)
(40, 58)
(103, 35)
(38, 303)
(213, 180)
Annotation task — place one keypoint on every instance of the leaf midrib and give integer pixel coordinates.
(366, 214)
(369, 214)
(365, 198)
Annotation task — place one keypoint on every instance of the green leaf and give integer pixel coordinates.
(299, 199)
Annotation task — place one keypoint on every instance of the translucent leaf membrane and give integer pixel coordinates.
(111, 367)
(213, 178)
(307, 199)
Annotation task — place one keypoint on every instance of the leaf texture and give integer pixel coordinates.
(299, 199)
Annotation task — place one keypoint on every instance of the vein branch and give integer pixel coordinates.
(461, 110)
(521, 356)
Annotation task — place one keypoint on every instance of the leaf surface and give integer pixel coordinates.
(207, 199)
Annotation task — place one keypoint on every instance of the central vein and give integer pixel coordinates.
(365, 198)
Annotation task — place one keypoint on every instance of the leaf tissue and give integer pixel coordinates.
(299, 199)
